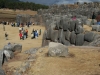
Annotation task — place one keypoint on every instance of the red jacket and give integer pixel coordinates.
(20, 34)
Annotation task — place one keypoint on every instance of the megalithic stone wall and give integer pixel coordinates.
(82, 9)
(68, 32)
(61, 28)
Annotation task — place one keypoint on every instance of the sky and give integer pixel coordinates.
(49, 2)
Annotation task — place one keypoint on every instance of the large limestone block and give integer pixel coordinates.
(57, 49)
(80, 39)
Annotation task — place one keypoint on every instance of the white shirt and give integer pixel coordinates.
(20, 28)
(31, 35)
(37, 31)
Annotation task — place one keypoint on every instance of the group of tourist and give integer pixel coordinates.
(35, 33)
(4, 22)
(14, 24)
(23, 34)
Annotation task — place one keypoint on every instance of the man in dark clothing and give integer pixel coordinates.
(93, 18)
(26, 33)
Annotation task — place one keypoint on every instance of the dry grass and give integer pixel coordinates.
(7, 14)
(81, 62)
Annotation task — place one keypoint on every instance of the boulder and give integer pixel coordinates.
(61, 24)
(60, 35)
(54, 36)
(8, 54)
(79, 22)
(57, 49)
(89, 36)
(66, 25)
(95, 28)
(67, 35)
(44, 37)
(95, 43)
(8, 47)
(2, 72)
(13, 47)
(57, 25)
(73, 37)
(45, 42)
(1, 58)
(86, 43)
(31, 51)
(48, 34)
(98, 28)
(88, 22)
(79, 39)
(79, 29)
(17, 47)
(67, 43)
(72, 26)
(96, 36)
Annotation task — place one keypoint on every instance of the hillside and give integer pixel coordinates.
(10, 15)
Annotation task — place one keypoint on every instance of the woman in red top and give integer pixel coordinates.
(20, 35)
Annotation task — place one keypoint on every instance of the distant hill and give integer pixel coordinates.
(17, 4)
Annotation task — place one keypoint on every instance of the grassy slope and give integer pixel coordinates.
(7, 14)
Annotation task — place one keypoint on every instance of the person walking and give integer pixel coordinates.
(93, 18)
(6, 36)
(24, 34)
(37, 33)
(33, 34)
